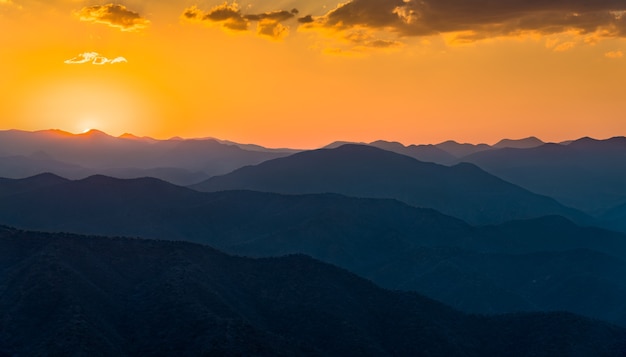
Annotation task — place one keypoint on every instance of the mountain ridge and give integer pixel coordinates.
(126, 297)
(464, 190)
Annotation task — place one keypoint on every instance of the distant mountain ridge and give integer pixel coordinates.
(587, 174)
(526, 143)
(80, 155)
(445, 153)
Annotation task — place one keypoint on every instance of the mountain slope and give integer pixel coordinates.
(587, 174)
(71, 295)
(463, 191)
(33, 183)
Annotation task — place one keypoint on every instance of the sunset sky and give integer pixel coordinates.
(303, 73)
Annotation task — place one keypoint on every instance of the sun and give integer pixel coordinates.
(86, 131)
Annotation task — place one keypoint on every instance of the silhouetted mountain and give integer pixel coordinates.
(153, 208)
(74, 295)
(463, 191)
(14, 187)
(587, 174)
(77, 156)
(381, 239)
(460, 150)
(525, 143)
(426, 153)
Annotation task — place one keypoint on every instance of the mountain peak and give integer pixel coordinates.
(94, 133)
(336, 144)
(525, 143)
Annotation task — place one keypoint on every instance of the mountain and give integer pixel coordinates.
(463, 190)
(74, 295)
(446, 153)
(525, 143)
(10, 187)
(20, 166)
(461, 150)
(153, 208)
(587, 174)
(396, 245)
(427, 153)
(78, 156)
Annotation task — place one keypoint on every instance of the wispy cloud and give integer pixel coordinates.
(614, 54)
(94, 58)
(113, 15)
(231, 18)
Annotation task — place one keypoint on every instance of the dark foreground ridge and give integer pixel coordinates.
(69, 295)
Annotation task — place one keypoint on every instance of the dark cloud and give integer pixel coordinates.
(306, 19)
(479, 18)
(277, 16)
(230, 16)
(273, 29)
(113, 15)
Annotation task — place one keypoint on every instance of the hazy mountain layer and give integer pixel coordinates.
(586, 174)
(77, 156)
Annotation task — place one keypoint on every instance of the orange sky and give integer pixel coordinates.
(261, 72)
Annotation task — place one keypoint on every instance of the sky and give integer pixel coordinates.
(304, 73)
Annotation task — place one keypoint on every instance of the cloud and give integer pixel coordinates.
(614, 54)
(477, 19)
(231, 18)
(113, 15)
(94, 58)
(562, 47)
(306, 19)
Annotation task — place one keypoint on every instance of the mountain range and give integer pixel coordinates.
(464, 190)
(77, 295)
(586, 174)
(523, 228)
(396, 245)
(77, 156)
